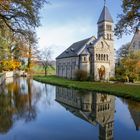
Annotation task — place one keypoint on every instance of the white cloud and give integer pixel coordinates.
(58, 38)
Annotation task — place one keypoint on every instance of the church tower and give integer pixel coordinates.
(106, 31)
(105, 25)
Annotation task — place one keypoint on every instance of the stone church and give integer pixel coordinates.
(93, 55)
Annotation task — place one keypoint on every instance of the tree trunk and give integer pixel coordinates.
(29, 59)
(45, 72)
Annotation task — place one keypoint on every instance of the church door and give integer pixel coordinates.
(101, 72)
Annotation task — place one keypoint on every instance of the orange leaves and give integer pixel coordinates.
(138, 64)
(138, 67)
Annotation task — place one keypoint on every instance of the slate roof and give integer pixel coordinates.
(73, 49)
(105, 16)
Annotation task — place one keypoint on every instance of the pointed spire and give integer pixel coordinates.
(104, 2)
(105, 15)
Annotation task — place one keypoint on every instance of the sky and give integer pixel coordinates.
(64, 22)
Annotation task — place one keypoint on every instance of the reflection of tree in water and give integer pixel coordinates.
(134, 108)
(18, 103)
(48, 100)
(6, 111)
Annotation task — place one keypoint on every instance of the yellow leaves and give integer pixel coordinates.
(11, 64)
(16, 64)
(131, 65)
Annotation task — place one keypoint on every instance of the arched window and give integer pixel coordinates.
(102, 44)
(96, 56)
(104, 57)
(84, 58)
(134, 44)
(110, 36)
(108, 106)
(107, 36)
(107, 57)
(99, 57)
(109, 27)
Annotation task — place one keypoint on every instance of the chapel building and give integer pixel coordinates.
(93, 55)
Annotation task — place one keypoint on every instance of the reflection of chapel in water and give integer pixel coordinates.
(94, 108)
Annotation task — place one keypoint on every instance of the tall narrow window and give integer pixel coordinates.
(108, 27)
(99, 57)
(134, 45)
(102, 44)
(107, 36)
(84, 58)
(96, 56)
(107, 57)
(110, 36)
(102, 57)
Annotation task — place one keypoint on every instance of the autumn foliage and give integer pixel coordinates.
(10, 65)
(129, 67)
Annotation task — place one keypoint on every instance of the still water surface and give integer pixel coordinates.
(30, 110)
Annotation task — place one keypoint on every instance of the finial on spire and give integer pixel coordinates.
(104, 2)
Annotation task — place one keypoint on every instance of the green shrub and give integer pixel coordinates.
(132, 77)
(112, 79)
(81, 75)
(120, 79)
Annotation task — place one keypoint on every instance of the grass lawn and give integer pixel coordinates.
(39, 70)
(118, 89)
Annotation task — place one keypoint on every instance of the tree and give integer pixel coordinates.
(8, 65)
(123, 51)
(45, 58)
(20, 15)
(129, 67)
(10, 49)
(130, 17)
(19, 18)
(25, 49)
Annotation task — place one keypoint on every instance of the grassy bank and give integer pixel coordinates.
(39, 70)
(118, 89)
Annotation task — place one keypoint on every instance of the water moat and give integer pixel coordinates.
(34, 111)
